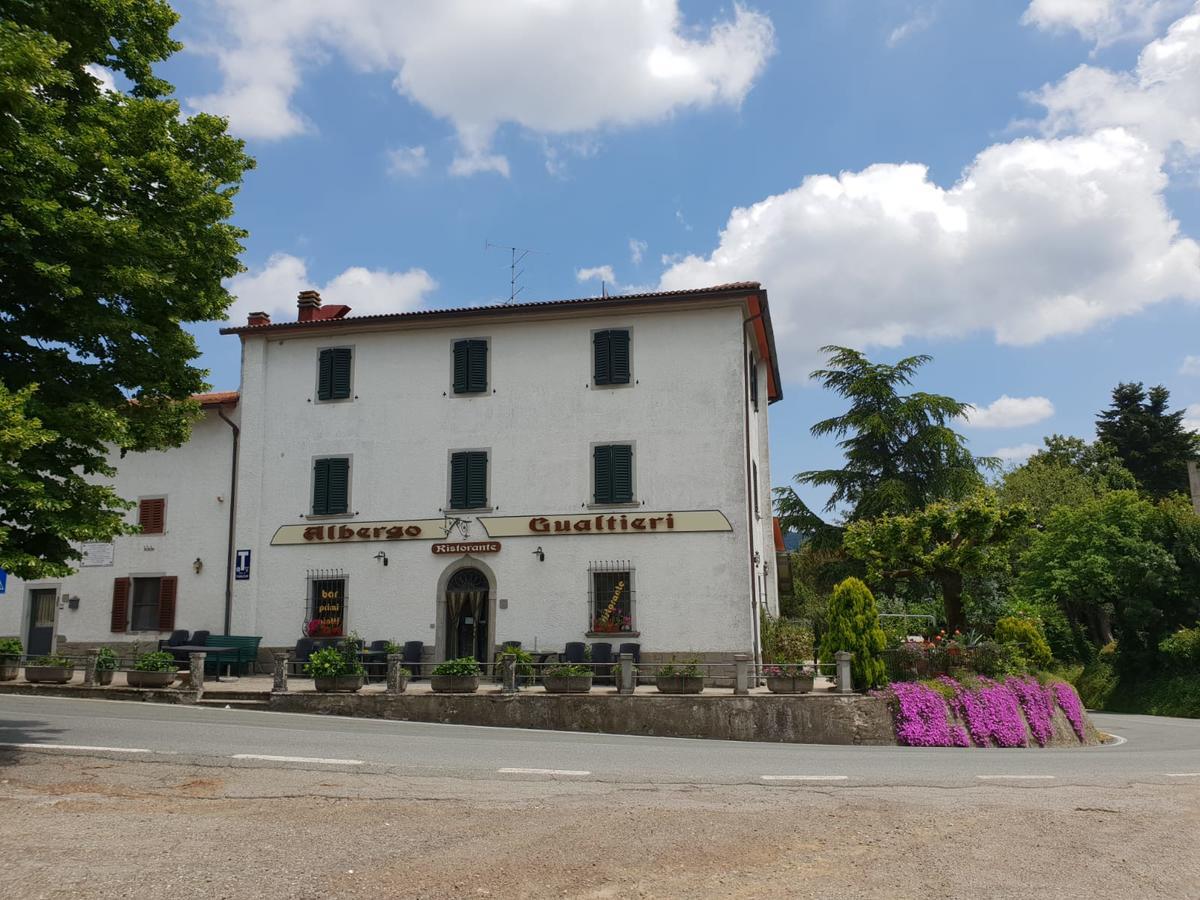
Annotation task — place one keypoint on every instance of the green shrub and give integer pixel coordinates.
(1097, 683)
(1181, 650)
(463, 667)
(58, 661)
(158, 661)
(1027, 635)
(523, 664)
(106, 660)
(689, 668)
(334, 662)
(10, 648)
(995, 660)
(568, 670)
(854, 626)
(785, 641)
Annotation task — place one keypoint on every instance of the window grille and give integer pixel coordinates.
(611, 597)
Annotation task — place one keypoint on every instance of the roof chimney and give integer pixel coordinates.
(307, 304)
(258, 318)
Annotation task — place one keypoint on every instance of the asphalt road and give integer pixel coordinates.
(1154, 750)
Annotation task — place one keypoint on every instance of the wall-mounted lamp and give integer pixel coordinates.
(540, 554)
(73, 602)
(197, 565)
(382, 557)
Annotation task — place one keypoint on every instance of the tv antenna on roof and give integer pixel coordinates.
(516, 254)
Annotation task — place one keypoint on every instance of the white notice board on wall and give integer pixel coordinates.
(96, 554)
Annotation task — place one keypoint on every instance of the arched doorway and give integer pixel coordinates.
(467, 613)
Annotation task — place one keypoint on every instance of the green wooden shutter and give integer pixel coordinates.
(476, 480)
(343, 359)
(320, 499)
(476, 366)
(458, 481)
(339, 485)
(325, 375)
(602, 373)
(622, 473)
(602, 474)
(618, 357)
(462, 366)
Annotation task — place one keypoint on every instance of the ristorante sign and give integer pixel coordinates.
(689, 521)
(409, 530)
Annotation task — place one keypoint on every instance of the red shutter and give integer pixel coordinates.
(167, 590)
(151, 515)
(120, 604)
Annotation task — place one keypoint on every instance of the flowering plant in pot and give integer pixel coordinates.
(337, 668)
(685, 678)
(10, 658)
(789, 678)
(106, 665)
(49, 670)
(456, 676)
(152, 670)
(568, 679)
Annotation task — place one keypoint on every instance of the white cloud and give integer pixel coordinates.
(1190, 366)
(1159, 100)
(637, 250)
(563, 67)
(1038, 238)
(920, 20)
(407, 161)
(1017, 454)
(596, 273)
(1191, 417)
(273, 289)
(102, 75)
(1103, 21)
(1010, 412)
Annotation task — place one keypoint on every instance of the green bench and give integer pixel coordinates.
(246, 645)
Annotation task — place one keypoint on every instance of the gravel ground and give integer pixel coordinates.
(75, 827)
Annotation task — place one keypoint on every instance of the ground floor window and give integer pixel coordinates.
(144, 613)
(611, 597)
(328, 607)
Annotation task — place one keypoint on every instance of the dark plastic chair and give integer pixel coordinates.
(413, 653)
(200, 638)
(602, 660)
(177, 638)
(635, 649)
(375, 659)
(574, 652)
(516, 645)
(304, 649)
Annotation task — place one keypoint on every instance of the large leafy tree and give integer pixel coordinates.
(1149, 439)
(1066, 472)
(945, 543)
(114, 232)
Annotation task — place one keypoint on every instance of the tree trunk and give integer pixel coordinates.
(952, 590)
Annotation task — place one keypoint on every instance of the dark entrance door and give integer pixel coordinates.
(467, 615)
(42, 603)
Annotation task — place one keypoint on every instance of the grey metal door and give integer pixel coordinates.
(42, 603)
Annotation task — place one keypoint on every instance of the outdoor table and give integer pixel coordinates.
(216, 651)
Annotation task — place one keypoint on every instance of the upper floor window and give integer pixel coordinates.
(612, 473)
(610, 356)
(470, 366)
(334, 370)
(468, 479)
(331, 486)
(752, 377)
(152, 514)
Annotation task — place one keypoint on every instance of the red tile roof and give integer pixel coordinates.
(217, 398)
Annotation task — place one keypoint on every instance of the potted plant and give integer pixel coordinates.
(680, 679)
(336, 668)
(49, 670)
(152, 670)
(10, 658)
(523, 664)
(568, 679)
(456, 676)
(106, 665)
(789, 678)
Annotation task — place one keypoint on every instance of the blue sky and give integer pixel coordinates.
(1045, 251)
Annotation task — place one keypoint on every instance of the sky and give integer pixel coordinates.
(1010, 187)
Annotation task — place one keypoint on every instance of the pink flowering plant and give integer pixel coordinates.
(921, 717)
(1038, 706)
(1068, 702)
(992, 712)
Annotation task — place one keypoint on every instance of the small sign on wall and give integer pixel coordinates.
(3, 582)
(241, 565)
(96, 554)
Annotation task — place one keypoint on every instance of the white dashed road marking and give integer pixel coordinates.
(75, 747)
(542, 772)
(1016, 777)
(300, 759)
(805, 777)
(1183, 774)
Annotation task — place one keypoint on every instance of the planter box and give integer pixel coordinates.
(139, 679)
(104, 676)
(49, 674)
(789, 684)
(567, 684)
(454, 684)
(402, 684)
(339, 683)
(680, 684)
(9, 669)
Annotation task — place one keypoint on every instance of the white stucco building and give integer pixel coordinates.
(577, 470)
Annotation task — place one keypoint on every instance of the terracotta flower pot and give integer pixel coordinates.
(139, 679)
(680, 684)
(345, 684)
(789, 684)
(49, 674)
(454, 684)
(567, 684)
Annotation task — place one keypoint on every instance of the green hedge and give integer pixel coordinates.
(1101, 687)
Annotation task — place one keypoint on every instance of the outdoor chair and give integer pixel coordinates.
(602, 660)
(413, 653)
(177, 638)
(634, 649)
(575, 652)
(200, 638)
(375, 660)
(304, 649)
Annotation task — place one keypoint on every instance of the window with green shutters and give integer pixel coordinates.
(752, 374)
(468, 479)
(334, 366)
(331, 486)
(612, 470)
(610, 356)
(470, 366)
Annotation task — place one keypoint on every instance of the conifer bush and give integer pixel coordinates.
(854, 626)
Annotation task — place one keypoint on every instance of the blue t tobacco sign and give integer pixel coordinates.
(241, 565)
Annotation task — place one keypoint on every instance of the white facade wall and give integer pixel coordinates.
(195, 480)
(685, 413)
